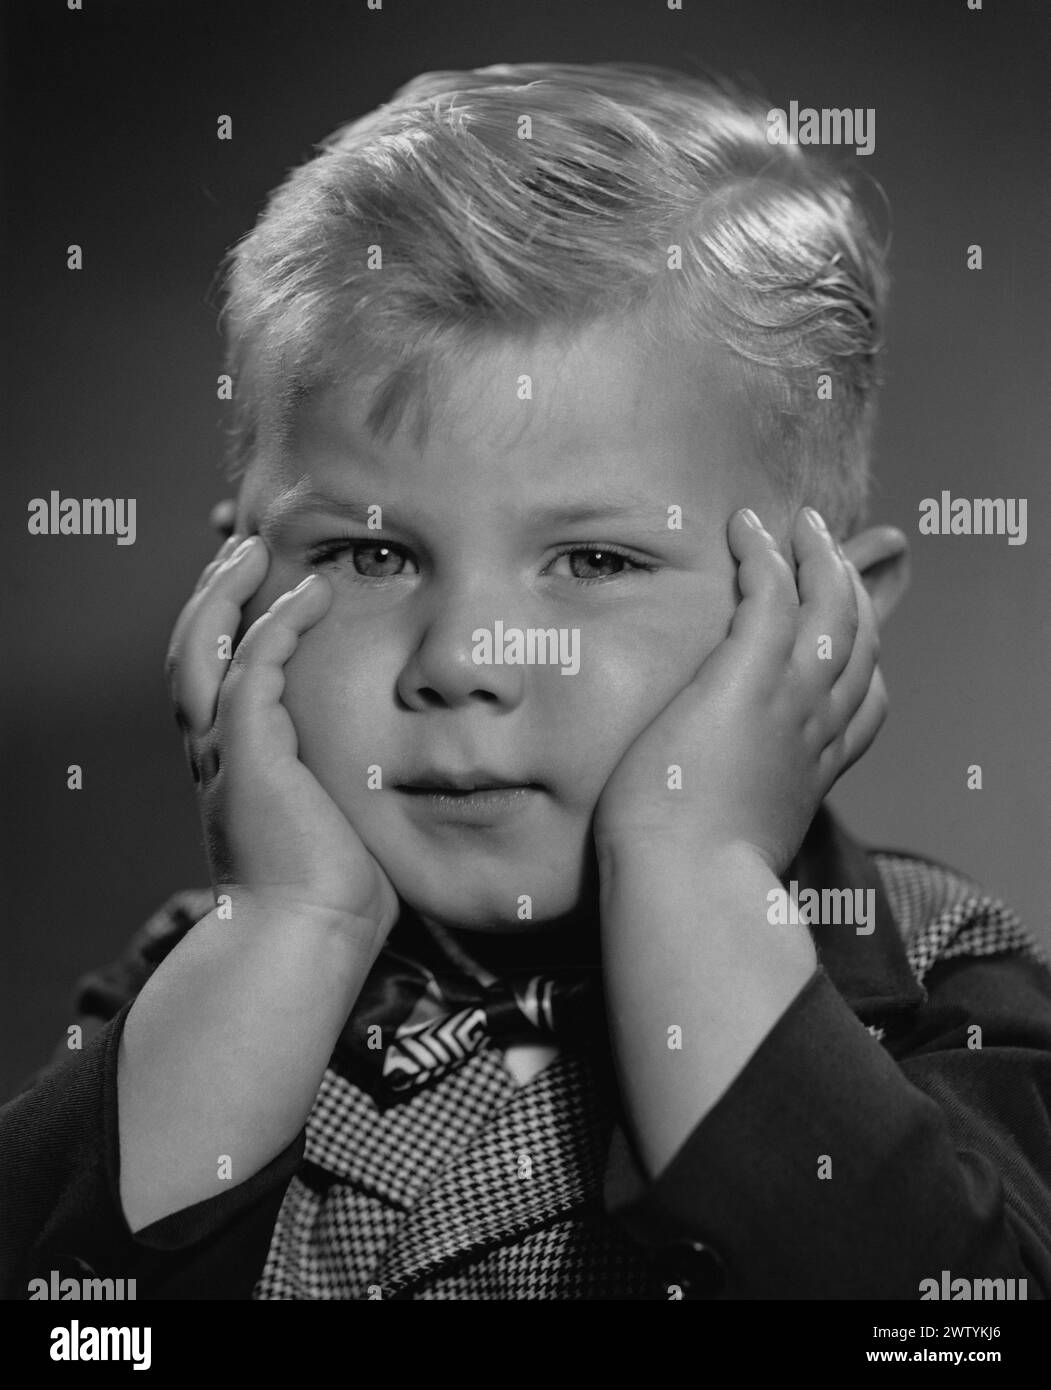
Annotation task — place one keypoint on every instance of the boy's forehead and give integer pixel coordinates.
(574, 389)
(603, 398)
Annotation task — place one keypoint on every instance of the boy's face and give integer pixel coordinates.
(498, 520)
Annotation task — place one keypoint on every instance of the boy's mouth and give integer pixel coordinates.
(472, 797)
(465, 783)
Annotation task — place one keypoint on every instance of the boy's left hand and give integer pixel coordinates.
(774, 715)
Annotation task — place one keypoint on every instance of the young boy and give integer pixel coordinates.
(533, 965)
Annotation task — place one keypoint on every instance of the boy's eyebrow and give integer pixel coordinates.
(296, 501)
(642, 510)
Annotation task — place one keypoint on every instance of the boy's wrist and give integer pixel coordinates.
(337, 940)
(709, 901)
(662, 853)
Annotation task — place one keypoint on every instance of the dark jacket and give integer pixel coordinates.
(892, 1125)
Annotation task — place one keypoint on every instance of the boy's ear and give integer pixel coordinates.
(881, 556)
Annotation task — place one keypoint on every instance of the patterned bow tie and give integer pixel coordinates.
(416, 1019)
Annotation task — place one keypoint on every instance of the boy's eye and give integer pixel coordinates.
(589, 563)
(594, 564)
(371, 559)
(376, 561)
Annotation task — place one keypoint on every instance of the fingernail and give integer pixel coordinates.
(816, 519)
(291, 593)
(228, 545)
(751, 518)
(243, 548)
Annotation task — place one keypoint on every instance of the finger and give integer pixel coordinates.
(223, 516)
(828, 604)
(864, 726)
(852, 686)
(765, 620)
(223, 553)
(226, 551)
(249, 701)
(202, 755)
(197, 660)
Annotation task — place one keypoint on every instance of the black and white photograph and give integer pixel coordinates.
(526, 625)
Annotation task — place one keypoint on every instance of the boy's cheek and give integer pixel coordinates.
(632, 685)
(649, 667)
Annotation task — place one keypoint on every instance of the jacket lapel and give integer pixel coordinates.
(541, 1156)
(871, 971)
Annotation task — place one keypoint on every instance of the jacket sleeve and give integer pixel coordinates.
(837, 1167)
(60, 1195)
(60, 1206)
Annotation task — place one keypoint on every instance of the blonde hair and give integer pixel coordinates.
(483, 231)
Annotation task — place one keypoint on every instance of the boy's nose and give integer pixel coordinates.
(442, 672)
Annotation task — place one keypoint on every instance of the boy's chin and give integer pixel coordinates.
(482, 915)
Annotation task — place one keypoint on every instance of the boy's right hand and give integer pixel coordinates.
(274, 836)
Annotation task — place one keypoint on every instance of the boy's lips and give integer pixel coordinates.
(469, 798)
(465, 783)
